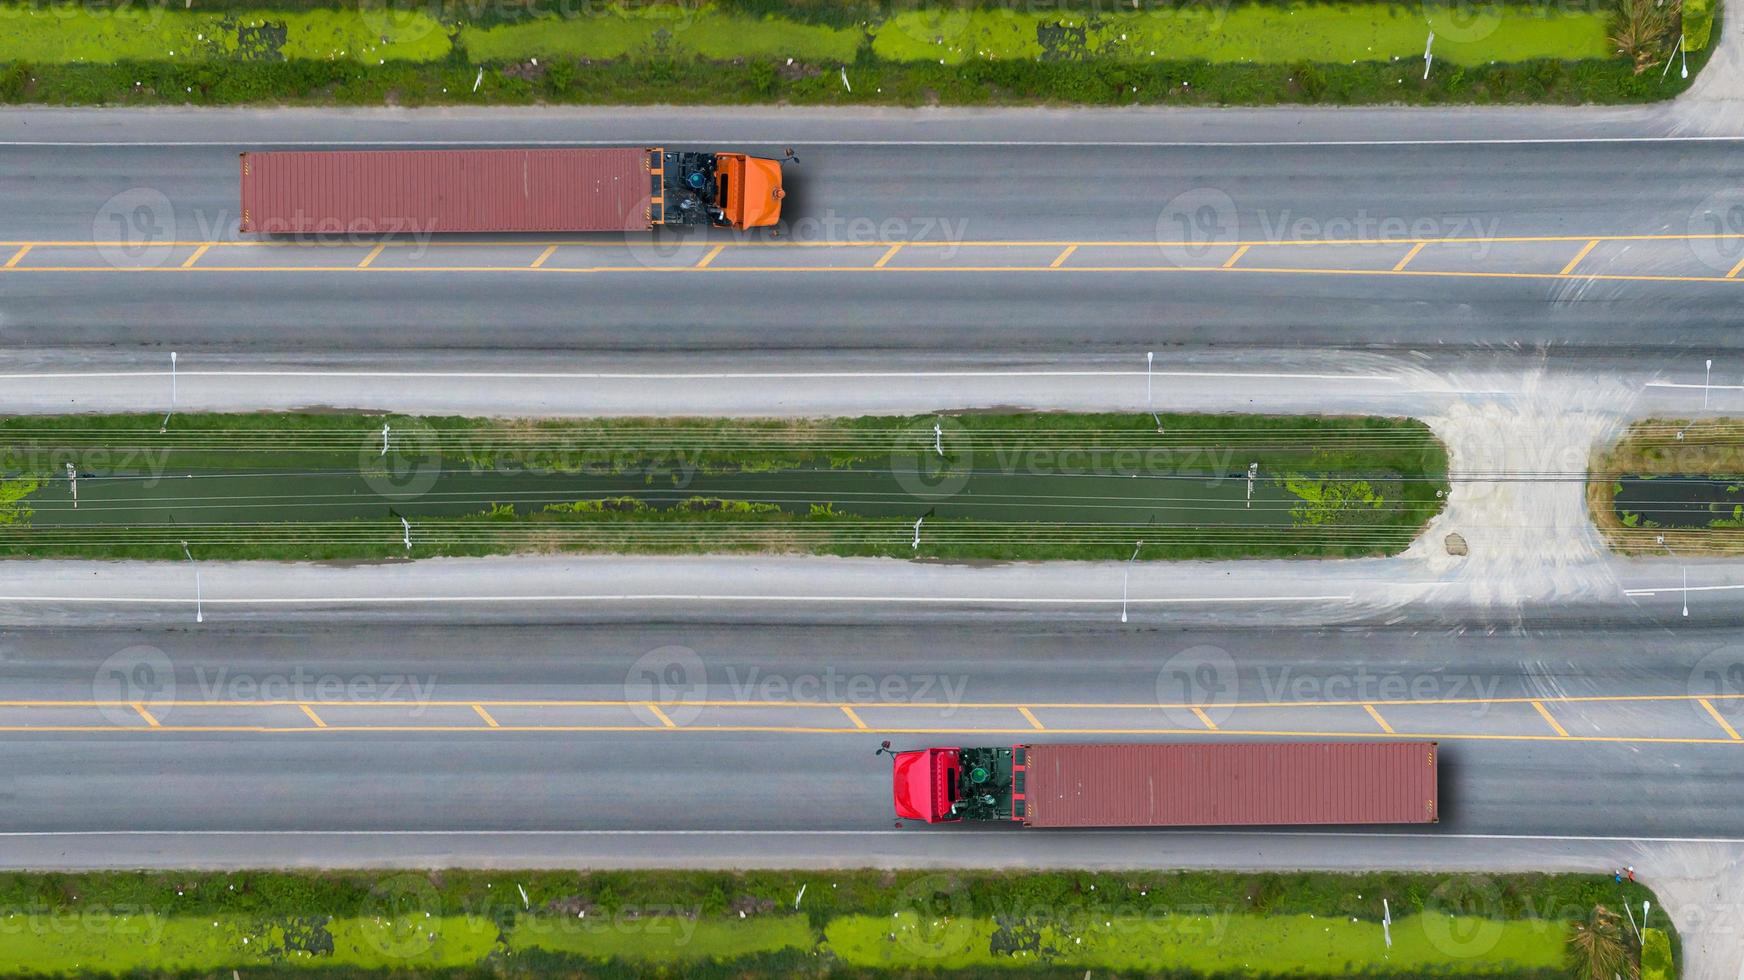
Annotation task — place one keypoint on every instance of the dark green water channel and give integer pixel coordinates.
(203, 498)
(1680, 502)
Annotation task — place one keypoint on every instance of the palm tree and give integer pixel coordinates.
(1600, 950)
(1639, 29)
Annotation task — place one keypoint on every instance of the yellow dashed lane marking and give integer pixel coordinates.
(1376, 715)
(884, 260)
(662, 716)
(713, 253)
(18, 256)
(1725, 726)
(1204, 718)
(1554, 724)
(1031, 718)
(1065, 254)
(195, 258)
(1588, 247)
(1736, 269)
(149, 720)
(853, 718)
(539, 262)
(313, 716)
(492, 722)
(367, 259)
(1233, 259)
(1402, 263)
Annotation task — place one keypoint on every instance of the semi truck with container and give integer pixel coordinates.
(393, 192)
(1187, 784)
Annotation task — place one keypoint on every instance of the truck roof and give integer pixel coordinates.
(382, 192)
(1228, 784)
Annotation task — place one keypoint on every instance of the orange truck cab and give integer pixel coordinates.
(722, 190)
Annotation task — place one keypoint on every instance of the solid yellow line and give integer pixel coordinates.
(980, 705)
(1569, 268)
(1031, 718)
(367, 259)
(994, 243)
(313, 716)
(192, 259)
(1736, 269)
(1376, 715)
(818, 730)
(1210, 725)
(884, 260)
(1731, 732)
(1560, 731)
(1400, 267)
(853, 717)
(12, 263)
(661, 715)
(486, 716)
(1065, 254)
(549, 251)
(149, 720)
(703, 263)
(1233, 259)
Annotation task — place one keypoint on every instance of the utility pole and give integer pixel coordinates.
(73, 481)
(1125, 578)
(199, 600)
(1682, 568)
(165, 427)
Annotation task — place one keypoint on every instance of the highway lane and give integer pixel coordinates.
(1167, 207)
(616, 764)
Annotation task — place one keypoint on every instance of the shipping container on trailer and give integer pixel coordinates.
(421, 192)
(1184, 784)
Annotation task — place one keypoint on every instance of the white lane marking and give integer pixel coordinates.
(694, 376)
(1678, 589)
(1003, 834)
(789, 139)
(668, 597)
(1680, 384)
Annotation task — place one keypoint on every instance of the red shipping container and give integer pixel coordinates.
(407, 192)
(1229, 784)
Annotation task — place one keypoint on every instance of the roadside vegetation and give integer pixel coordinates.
(802, 52)
(1671, 486)
(832, 923)
(993, 486)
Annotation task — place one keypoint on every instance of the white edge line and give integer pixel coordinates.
(666, 597)
(921, 835)
(1678, 589)
(790, 139)
(697, 376)
(1680, 384)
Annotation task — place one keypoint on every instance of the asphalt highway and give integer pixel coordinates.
(1157, 228)
(1590, 734)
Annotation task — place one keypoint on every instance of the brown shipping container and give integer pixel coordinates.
(1242, 784)
(380, 192)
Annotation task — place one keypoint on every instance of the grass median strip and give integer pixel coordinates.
(899, 53)
(996, 486)
(1670, 486)
(834, 923)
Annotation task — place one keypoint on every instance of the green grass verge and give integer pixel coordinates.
(1251, 53)
(852, 923)
(1327, 486)
(1712, 447)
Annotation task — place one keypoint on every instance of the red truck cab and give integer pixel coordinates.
(926, 784)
